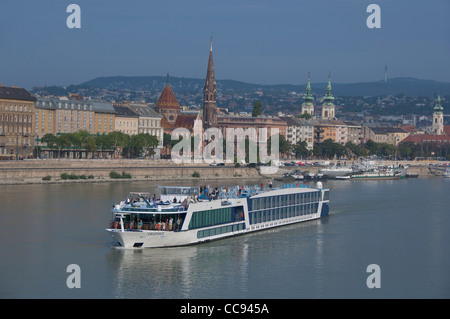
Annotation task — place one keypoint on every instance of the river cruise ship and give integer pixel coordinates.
(190, 215)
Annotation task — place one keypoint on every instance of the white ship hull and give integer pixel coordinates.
(333, 173)
(159, 239)
(260, 218)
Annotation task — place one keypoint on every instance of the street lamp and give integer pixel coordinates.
(17, 145)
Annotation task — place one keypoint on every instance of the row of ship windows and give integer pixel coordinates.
(220, 230)
(284, 200)
(282, 212)
(216, 217)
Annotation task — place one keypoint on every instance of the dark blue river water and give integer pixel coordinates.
(402, 226)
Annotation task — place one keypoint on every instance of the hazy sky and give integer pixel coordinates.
(257, 41)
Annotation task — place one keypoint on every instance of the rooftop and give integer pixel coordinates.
(124, 111)
(385, 130)
(144, 111)
(167, 100)
(15, 93)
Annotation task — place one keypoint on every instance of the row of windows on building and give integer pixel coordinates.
(149, 123)
(15, 107)
(68, 105)
(72, 119)
(15, 118)
(5, 129)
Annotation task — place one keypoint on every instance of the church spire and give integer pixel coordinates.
(438, 107)
(307, 106)
(328, 98)
(210, 83)
(209, 94)
(308, 98)
(328, 109)
(437, 126)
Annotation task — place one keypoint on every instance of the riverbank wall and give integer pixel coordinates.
(51, 171)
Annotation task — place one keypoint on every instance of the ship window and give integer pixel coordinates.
(214, 217)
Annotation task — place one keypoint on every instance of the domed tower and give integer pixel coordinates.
(438, 118)
(167, 104)
(308, 106)
(328, 109)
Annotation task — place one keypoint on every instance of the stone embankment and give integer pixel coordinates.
(50, 171)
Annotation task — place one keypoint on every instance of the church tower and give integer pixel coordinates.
(438, 118)
(167, 104)
(209, 95)
(308, 106)
(328, 111)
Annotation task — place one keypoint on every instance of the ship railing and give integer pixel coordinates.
(158, 226)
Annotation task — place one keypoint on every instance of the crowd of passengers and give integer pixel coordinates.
(167, 224)
(206, 193)
(211, 193)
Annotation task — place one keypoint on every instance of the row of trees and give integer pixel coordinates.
(408, 150)
(143, 145)
(140, 145)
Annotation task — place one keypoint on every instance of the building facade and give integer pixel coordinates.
(299, 130)
(149, 121)
(270, 123)
(324, 129)
(63, 115)
(341, 131)
(354, 133)
(389, 135)
(16, 123)
(104, 117)
(126, 120)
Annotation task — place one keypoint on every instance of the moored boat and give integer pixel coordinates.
(381, 172)
(447, 172)
(334, 171)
